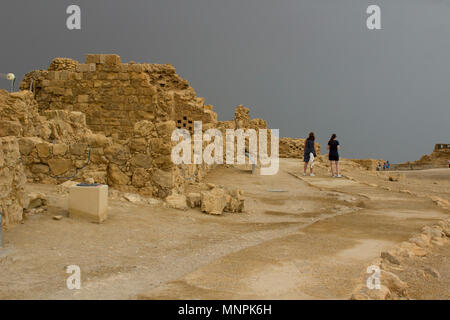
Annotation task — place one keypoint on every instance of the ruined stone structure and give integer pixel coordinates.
(369, 164)
(108, 122)
(437, 159)
(12, 182)
(114, 95)
(294, 148)
(441, 147)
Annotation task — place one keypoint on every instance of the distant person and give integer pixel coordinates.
(333, 155)
(384, 166)
(388, 165)
(309, 154)
(449, 163)
(379, 166)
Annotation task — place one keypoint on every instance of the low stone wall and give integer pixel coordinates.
(115, 95)
(369, 164)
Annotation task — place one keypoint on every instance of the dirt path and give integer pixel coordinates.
(300, 238)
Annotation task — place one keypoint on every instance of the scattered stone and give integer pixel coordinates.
(434, 231)
(213, 201)
(387, 255)
(36, 200)
(57, 217)
(408, 249)
(432, 271)
(176, 201)
(132, 197)
(234, 201)
(362, 292)
(194, 199)
(421, 240)
(394, 283)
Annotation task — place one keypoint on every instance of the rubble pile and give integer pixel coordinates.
(416, 248)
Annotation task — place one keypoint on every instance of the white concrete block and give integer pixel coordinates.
(89, 202)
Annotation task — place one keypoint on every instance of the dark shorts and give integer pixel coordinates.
(306, 156)
(333, 156)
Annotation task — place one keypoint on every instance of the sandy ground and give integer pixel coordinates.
(299, 238)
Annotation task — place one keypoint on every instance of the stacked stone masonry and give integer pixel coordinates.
(103, 121)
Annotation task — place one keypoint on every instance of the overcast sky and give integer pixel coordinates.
(303, 65)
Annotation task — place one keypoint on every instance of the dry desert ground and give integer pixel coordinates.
(299, 237)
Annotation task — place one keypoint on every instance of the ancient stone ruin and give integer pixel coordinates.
(107, 122)
(437, 159)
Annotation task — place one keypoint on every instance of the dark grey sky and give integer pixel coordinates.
(300, 64)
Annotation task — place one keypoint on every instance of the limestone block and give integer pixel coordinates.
(116, 176)
(141, 160)
(83, 98)
(44, 150)
(112, 59)
(163, 178)
(138, 144)
(39, 168)
(27, 144)
(59, 149)
(90, 202)
(140, 177)
(177, 201)
(144, 128)
(194, 199)
(59, 166)
(78, 149)
(117, 153)
(94, 58)
(166, 128)
(10, 128)
(82, 67)
(213, 201)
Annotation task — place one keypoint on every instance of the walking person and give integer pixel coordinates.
(333, 156)
(309, 154)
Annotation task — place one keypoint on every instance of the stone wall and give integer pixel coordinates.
(437, 159)
(12, 182)
(369, 164)
(294, 148)
(114, 95)
(110, 122)
(57, 146)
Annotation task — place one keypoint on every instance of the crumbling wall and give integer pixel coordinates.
(132, 110)
(437, 159)
(369, 164)
(12, 181)
(114, 95)
(294, 148)
(58, 146)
